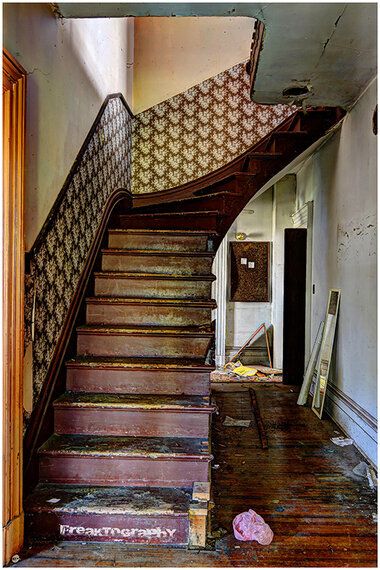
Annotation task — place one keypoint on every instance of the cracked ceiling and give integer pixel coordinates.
(330, 47)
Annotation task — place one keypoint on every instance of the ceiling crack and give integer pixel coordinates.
(331, 35)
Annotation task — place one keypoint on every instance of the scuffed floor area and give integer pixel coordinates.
(303, 485)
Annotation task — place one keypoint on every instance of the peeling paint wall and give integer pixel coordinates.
(341, 179)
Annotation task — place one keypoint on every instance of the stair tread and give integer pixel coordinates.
(266, 154)
(158, 214)
(205, 330)
(148, 301)
(133, 401)
(141, 363)
(81, 499)
(297, 133)
(215, 194)
(157, 252)
(165, 232)
(125, 446)
(131, 275)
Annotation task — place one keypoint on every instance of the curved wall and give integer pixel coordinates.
(198, 131)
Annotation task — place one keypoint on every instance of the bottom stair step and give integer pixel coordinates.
(108, 514)
(132, 461)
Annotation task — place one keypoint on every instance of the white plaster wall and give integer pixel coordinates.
(72, 66)
(341, 179)
(284, 199)
(243, 318)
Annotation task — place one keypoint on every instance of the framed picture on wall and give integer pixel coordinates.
(250, 271)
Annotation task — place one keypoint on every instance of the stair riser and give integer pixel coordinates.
(160, 423)
(142, 346)
(193, 204)
(156, 241)
(116, 471)
(289, 145)
(114, 381)
(157, 264)
(112, 314)
(56, 526)
(151, 288)
(162, 222)
(207, 203)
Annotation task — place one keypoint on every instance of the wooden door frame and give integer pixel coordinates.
(14, 99)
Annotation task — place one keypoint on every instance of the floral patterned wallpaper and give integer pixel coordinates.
(198, 131)
(57, 262)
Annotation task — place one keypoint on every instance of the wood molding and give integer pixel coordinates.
(256, 47)
(14, 100)
(365, 416)
(40, 425)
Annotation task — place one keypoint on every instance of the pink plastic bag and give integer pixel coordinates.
(251, 526)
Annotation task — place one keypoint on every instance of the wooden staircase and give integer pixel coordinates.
(129, 459)
(214, 201)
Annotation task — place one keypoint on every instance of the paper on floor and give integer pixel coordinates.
(233, 422)
(342, 441)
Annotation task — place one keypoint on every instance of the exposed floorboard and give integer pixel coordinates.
(322, 515)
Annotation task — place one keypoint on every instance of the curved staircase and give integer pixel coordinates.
(130, 456)
(215, 200)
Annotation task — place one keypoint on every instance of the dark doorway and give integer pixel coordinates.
(294, 306)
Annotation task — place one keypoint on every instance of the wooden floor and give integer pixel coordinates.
(320, 512)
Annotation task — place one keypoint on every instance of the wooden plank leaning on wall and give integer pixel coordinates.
(14, 93)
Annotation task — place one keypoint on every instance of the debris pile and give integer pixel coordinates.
(235, 371)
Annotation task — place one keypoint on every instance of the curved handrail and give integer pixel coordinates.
(38, 429)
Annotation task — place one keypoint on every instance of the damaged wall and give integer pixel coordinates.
(341, 180)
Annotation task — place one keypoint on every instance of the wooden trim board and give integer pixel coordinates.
(14, 101)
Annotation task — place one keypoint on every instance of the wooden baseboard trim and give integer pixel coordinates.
(365, 416)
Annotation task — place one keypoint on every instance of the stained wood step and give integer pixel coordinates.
(153, 285)
(118, 461)
(170, 240)
(287, 141)
(159, 312)
(135, 415)
(177, 342)
(157, 261)
(213, 201)
(206, 220)
(139, 375)
(265, 155)
(153, 515)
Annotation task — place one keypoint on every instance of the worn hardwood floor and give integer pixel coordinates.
(320, 512)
